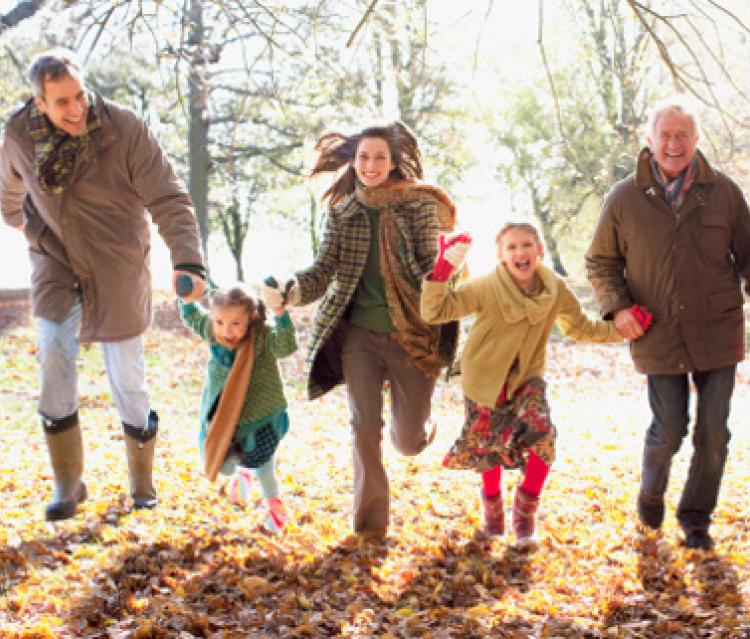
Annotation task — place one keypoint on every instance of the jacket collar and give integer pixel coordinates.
(349, 206)
(644, 178)
(515, 306)
(107, 134)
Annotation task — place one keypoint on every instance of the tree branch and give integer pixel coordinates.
(678, 74)
(733, 16)
(361, 23)
(569, 152)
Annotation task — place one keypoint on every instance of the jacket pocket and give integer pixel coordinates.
(34, 226)
(724, 301)
(714, 235)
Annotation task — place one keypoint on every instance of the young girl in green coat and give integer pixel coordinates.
(243, 410)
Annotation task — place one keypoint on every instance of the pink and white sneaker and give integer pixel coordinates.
(239, 486)
(277, 517)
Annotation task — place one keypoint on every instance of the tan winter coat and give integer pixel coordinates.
(685, 266)
(507, 343)
(93, 238)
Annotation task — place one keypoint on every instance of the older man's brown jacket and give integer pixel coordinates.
(93, 239)
(685, 265)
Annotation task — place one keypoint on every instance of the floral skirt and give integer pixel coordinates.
(504, 435)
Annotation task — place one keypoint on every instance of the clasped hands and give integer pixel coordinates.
(633, 322)
(277, 298)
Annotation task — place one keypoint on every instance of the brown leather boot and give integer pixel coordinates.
(494, 517)
(524, 509)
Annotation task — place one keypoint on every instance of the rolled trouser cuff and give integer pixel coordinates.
(147, 432)
(55, 426)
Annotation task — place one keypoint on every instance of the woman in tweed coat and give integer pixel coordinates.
(379, 243)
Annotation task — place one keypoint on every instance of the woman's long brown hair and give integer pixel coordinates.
(335, 150)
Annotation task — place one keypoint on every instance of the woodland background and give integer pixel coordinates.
(522, 109)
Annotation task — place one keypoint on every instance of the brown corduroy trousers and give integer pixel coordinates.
(369, 360)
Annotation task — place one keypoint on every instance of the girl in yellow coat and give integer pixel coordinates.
(507, 421)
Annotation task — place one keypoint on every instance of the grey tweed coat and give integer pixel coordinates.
(338, 267)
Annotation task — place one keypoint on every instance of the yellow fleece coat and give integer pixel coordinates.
(509, 327)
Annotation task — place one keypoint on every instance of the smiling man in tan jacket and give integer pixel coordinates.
(77, 174)
(675, 237)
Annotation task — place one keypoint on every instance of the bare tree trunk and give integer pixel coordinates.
(314, 239)
(378, 45)
(199, 158)
(542, 214)
(239, 242)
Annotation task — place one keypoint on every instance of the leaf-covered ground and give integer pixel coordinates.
(198, 566)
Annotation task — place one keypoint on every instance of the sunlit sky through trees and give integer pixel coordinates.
(478, 46)
(488, 51)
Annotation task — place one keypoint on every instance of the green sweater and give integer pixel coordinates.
(265, 392)
(369, 307)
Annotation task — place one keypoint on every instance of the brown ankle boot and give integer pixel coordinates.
(524, 509)
(494, 518)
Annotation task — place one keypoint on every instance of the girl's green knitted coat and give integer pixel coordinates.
(265, 392)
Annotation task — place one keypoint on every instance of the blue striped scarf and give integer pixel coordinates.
(676, 188)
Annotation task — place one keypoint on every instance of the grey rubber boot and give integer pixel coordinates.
(140, 445)
(65, 446)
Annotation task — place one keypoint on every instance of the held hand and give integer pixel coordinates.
(292, 292)
(643, 316)
(273, 297)
(627, 324)
(188, 286)
(277, 299)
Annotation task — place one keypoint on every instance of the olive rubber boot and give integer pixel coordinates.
(140, 445)
(65, 446)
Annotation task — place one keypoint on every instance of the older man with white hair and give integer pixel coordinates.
(675, 237)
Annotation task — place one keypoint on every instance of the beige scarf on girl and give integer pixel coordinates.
(227, 415)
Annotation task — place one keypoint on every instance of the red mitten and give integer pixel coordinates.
(648, 318)
(642, 315)
(447, 259)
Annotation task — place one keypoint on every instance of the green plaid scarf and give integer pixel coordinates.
(56, 152)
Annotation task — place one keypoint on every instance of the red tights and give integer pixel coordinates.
(533, 479)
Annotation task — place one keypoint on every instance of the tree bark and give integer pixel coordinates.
(199, 157)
